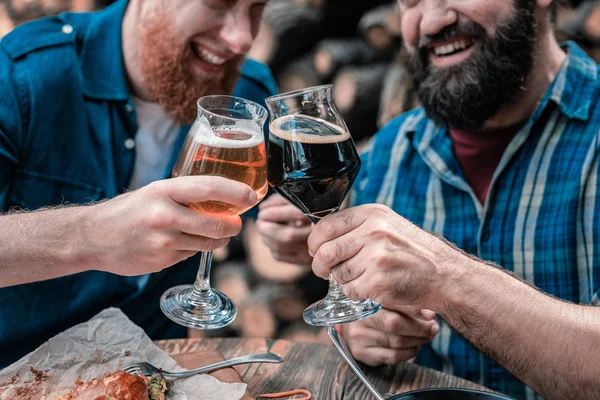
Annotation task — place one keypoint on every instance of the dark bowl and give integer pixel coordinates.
(448, 394)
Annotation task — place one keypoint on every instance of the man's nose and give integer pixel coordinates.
(237, 34)
(436, 16)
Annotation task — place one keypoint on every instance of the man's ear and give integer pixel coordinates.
(544, 3)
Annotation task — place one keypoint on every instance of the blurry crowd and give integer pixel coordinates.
(354, 44)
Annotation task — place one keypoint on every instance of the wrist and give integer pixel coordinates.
(76, 250)
(456, 270)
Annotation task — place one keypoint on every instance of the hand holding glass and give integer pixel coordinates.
(225, 140)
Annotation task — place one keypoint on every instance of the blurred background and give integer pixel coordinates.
(354, 44)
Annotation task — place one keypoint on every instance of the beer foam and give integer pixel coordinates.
(206, 136)
(294, 136)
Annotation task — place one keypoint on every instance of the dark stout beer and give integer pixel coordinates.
(312, 163)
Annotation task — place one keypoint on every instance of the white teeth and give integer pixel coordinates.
(209, 57)
(453, 47)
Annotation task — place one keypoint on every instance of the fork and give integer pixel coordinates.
(144, 368)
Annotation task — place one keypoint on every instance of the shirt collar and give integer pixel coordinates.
(575, 85)
(104, 75)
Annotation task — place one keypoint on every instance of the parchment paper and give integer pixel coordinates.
(106, 343)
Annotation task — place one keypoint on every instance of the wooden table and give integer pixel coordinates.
(316, 367)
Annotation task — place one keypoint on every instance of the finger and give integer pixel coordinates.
(283, 233)
(428, 314)
(293, 258)
(199, 243)
(211, 226)
(333, 257)
(375, 356)
(273, 200)
(336, 225)
(185, 254)
(345, 272)
(196, 189)
(401, 324)
(283, 214)
(377, 338)
(415, 312)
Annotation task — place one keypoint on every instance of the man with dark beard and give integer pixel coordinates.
(95, 105)
(502, 161)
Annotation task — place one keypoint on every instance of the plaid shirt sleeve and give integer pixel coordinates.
(588, 235)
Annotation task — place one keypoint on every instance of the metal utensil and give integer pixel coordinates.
(340, 344)
(144, 368)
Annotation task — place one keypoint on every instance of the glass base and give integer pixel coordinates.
(329, 312)
(212, 310)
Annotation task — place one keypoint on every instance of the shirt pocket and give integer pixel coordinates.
(33, 190)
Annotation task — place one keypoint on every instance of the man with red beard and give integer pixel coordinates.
(502, 160)
(95, 105)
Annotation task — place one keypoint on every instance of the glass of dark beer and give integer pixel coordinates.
(225, 140)
(312, 163)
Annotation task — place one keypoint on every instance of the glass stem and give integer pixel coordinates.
(201, 289)
(335, 289)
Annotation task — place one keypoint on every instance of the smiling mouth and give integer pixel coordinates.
(453, 47)
(207, 56)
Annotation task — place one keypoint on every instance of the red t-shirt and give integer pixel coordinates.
(479, 154)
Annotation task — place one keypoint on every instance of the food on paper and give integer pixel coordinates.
(118, 386)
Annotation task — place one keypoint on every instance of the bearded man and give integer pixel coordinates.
(95, 105)
(502, 160)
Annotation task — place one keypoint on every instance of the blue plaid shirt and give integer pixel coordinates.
(540, 219)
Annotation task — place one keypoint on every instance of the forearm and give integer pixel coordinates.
(42, 245)
(551, 345)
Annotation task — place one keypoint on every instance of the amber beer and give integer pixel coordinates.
(312, 163)
(233, 154)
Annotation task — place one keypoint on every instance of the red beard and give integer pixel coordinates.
(168, 74)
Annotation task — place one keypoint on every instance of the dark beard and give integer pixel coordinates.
(167, 73)
(466, 95)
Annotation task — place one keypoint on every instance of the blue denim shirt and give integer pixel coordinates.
(65, 116)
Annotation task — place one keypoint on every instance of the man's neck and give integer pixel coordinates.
(547, 61)
(131, 50)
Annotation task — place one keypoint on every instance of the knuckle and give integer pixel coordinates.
(351, 292)
(410, 353)
(327, 254)
(259, 225)
(382, 259)
(396, 357)
(363, 355)
(379, 282)
(209, 187)
(393, 323)
(327, 228)
(287, 235)
(395, 342)
(157, 188)
(160, 217)
(214, 228)
(343, 273)
(221, 229)
(213, 244)
(353, 334)
(165, 242)
(380, 209)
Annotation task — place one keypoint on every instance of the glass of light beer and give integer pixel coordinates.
(226, 140)
(313, 163)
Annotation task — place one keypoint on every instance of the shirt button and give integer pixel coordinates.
(129, 144)
(67, 29)
(128, 108)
